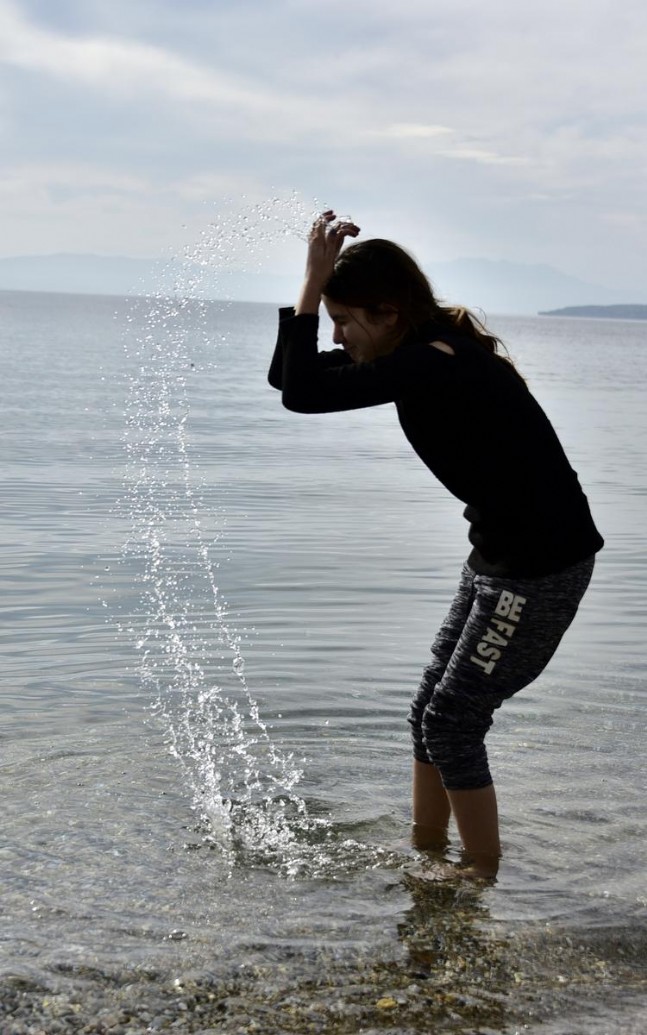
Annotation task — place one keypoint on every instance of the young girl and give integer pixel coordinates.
(471, 419)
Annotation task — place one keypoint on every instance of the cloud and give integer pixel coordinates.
(126, 69)
(485, 129)
(498, 85)
(33, 178)
(438, 141)
(413, 131)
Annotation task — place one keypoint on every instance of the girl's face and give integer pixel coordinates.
(364, 336)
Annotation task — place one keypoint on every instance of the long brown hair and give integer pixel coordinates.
(375, 274)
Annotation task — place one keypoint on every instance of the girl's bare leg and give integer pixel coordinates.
(475, 813)
(477, 820)
(431, 808)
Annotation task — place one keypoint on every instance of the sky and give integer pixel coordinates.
(508, 130)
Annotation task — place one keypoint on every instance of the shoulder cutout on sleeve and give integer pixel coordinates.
(442, 346)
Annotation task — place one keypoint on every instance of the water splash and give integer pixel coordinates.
(238, 238)
(244, 788)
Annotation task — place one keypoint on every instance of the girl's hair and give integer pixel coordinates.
(375, 274)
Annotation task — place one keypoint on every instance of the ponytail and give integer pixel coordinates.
(467, 323)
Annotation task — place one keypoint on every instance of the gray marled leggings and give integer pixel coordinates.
(498, 636)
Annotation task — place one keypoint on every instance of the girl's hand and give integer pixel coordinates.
(324, 244)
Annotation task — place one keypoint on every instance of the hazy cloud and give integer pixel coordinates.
(121, 67)
(503, 130)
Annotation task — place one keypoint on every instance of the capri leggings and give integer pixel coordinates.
(499, 635)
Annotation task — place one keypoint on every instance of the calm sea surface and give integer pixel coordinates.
(214, 615)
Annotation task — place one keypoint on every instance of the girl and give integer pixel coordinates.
(469, 416)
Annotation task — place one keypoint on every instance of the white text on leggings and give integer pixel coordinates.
(499, 633)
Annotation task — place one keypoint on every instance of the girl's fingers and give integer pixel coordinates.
(327, 225)
(346, 228)
(329, 221)
(319, 228)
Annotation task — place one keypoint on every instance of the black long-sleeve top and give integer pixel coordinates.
(472, 420)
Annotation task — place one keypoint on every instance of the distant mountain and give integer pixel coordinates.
(607, 312)
(498, 286)
(78, 274)
(493, 286)
(122, 275)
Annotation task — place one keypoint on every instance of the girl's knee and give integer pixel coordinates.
(422, 698)
(454, 739)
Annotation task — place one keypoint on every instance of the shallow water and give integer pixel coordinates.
(319, 552)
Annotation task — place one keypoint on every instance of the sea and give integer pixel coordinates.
(214, 614)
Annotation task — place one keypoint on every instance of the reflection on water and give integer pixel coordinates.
(334, 557)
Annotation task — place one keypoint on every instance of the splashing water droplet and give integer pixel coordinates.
(243, 786)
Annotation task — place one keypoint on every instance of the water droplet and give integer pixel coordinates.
(240, 781)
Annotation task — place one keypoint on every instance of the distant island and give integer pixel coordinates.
(613, 312)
